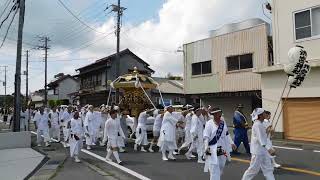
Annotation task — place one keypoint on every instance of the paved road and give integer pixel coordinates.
(151, 166)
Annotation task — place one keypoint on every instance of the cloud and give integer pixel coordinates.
(154, 40)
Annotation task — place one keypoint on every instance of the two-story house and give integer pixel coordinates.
(218, 71)
(62, 87)
(294, 23)
(95, 78)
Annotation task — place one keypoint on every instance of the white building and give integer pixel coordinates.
(294, 23)
(219, 70)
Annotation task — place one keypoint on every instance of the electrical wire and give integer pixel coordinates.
(5, 8)
(5, 36)
(82, 22)
(14, 7)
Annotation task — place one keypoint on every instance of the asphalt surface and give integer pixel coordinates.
(151, 165)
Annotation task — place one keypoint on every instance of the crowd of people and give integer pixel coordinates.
(198, 132)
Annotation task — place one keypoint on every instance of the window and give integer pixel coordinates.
(56, 91)
(201, 68)
(167, 102)
(177, 100)
(307, 23)
(239, 62)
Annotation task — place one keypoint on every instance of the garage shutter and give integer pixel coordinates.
(302, 119)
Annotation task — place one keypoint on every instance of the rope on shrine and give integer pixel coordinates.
(145, 93)
(161, 96)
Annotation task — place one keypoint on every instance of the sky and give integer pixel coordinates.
(152, 29)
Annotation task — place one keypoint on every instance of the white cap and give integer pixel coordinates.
(116, 108)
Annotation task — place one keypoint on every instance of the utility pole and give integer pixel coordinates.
(27, 80)
(17, 83)
(5, 87)
(119, 10)
(45, 47)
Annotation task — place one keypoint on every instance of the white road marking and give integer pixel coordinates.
(316, 151)
(129, 171)
(289, 148)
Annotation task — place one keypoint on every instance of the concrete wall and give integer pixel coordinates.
(228, 106)
(272, 86)
(13, 140)
(284, 33)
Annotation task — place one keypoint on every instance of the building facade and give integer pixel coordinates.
(171, 91)
(218, 71)
(294, 23)
(95, 78)
(62, 87)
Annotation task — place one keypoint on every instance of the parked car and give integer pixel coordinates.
(149, 124)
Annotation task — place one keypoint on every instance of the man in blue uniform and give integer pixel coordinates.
(240, 129)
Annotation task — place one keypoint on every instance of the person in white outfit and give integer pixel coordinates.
(65, 118)
(167, 139)
(268, 125)
(112, 131)
(55, 124)
(187, 138)
(197, 135)
(260, 150)
(141, 131)
(218, 144)
(89, 128)
(75, 127)
(120, 139)
(41, 121)
(156, 129)
(23, 120)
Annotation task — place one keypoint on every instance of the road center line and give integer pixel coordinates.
(129, 171)
(285, 168)
(316, 151)
(288, 148)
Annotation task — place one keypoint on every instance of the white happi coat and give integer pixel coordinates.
(157, 123)
(187, 128)
(260, 158)
(66, 118)
(43, 127)
(168, 132)
(111, 130)
(216, 163)
(76, 128)
(54, 119)
(97, 123)
(141, 131)
(197, 131)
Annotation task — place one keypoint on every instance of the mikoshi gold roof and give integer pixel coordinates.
(129, 81)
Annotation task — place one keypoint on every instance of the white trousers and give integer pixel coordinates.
(75, 146)
(141, 137)
(45, 133)
(55, 132)
(65, 131)
(90, 140)
(216, 170)
(258, 162)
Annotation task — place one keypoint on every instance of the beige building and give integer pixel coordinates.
(218, 71)
(294, 23)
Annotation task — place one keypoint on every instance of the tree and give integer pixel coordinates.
(52, 103)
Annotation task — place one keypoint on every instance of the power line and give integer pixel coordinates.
(82, 22)
(8, 29)
(5, 8)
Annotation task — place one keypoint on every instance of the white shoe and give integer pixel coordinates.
(67, 145)
(200, 161)
(39, 145)
(171, 157)
(76, 159)
(88, 148)
(47, 144)
(275, 165)
(64, 145)
(188, 156)
(135, 148)
(93, 144)
(193, 156)
(164, 158)
(175, 153)
(143, 150)
(108, 159)
(151, 150)
(121, 150)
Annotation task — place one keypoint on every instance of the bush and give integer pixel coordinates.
(52, 103)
